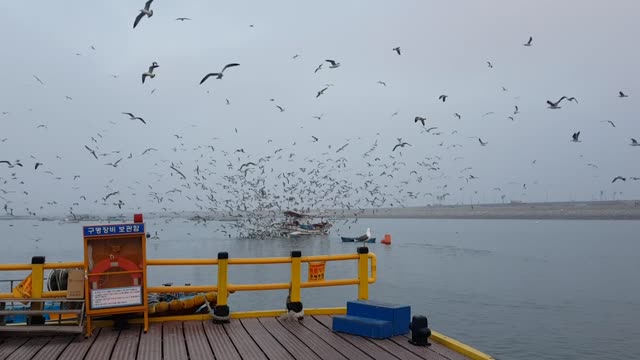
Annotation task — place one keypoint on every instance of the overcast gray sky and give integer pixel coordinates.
(585, 49)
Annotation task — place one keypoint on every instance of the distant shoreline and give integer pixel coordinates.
(583, 210)
(594, 210)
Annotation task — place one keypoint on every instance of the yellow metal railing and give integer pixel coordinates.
(366, 275)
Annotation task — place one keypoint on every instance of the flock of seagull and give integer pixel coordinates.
(253, 189)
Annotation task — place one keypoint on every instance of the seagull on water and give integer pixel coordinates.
(529, 42)
(218, 75)
(334, 64)
(575, 137)
(397, 49)
(622, 95)
(133, 117)
(146, 11)
(150, 73)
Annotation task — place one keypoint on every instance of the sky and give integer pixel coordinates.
(581, 49)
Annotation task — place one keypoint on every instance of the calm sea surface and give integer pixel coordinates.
(514, 289)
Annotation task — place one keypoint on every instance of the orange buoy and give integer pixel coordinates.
(387, 239)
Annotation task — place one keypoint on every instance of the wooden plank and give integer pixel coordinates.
(248, 349)
(395, 349)
(126, 347)
(173, 345)
(150, 347)
(103, 345)
(359, 342)
(41, 329)
(220, 342)
(336, 341)
(197, 343)
(30, 348)
(10, 345)
(297, 348)
(79, 346)
(443, 350)
(53, 348)
(270, 346)
(310, 339)
(424, 352)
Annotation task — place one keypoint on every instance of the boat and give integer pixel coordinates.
(352, 239)
(293, 226)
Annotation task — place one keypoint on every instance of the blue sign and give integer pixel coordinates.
(111, 229)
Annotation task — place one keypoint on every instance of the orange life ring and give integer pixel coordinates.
(115, 262)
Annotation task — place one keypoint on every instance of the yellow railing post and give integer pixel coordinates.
(37, 285)
(294, 302)
(363, 273)
(221, 310)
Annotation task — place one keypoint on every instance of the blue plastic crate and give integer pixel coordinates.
(398, 315)
(362, 326)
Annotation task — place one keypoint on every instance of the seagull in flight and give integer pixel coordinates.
(218, 75)
(575, 137)
(618, 178)
(150, 73)
(419, 118)
(334, 64)
(133, 117)
(37, 165)
(457, 115)
(482, 143)
(489, 64)
(443, 97)
(318, 68)
(321, 92)
(400, 144)
(622, 95)
(610, 122)
(397, 49)
(554, 105)
(182, 19)
(115, 164)
(529, 42)
(146, 11)
(382, 83)
(634, 142)
(93, 152)
(280, 108)
(37, 78)
(149, 149)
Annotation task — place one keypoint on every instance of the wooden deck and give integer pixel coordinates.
(255, 338)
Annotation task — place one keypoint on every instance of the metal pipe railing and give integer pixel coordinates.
(367, 268)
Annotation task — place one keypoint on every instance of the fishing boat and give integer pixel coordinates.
(357, 239)
(294, 226)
